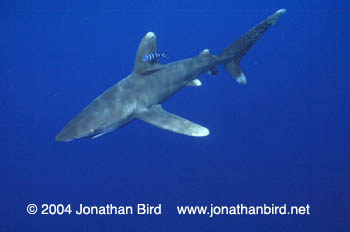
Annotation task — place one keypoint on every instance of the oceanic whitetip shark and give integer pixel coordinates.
(140, 94)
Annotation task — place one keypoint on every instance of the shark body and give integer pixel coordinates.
(140, 94)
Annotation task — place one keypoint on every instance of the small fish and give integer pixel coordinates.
(153, 56)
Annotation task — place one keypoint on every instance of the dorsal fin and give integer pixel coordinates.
(147, 45)
(204, 52)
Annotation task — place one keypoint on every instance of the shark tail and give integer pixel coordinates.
(233, 54)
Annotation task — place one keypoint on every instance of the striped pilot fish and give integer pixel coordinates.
(153, 56)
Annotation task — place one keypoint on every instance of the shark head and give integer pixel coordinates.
(91, 122)
(84, 125)
(109, 111)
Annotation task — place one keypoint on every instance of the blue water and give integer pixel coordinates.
(282, 139)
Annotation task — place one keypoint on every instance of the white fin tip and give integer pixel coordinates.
(201, 132)
(197, 82)
(241, 79)
(281, 11)
(150, 35)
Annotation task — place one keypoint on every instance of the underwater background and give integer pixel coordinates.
(281, 139)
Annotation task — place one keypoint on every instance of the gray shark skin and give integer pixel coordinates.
(139, 95)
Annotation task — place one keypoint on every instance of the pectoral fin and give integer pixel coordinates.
(171, 122)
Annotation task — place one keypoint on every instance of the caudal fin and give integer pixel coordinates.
(234, 53)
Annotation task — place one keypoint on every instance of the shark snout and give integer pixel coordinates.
(64, 136)
(70, 132)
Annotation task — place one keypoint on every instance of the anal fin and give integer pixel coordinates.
(194, 83)
(158, 117)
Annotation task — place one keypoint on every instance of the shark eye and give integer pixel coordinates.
(91, 131)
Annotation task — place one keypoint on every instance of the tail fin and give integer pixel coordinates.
(234, 53)
(165, 55)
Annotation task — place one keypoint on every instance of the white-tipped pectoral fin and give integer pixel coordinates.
(201, 132)
(171, 122)
(277, 14)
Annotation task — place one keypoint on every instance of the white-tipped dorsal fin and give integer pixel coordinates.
(204, 52)
(147, 45)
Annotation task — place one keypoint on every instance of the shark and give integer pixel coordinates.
(141, 93)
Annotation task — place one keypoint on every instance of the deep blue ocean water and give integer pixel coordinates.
(282, 139)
